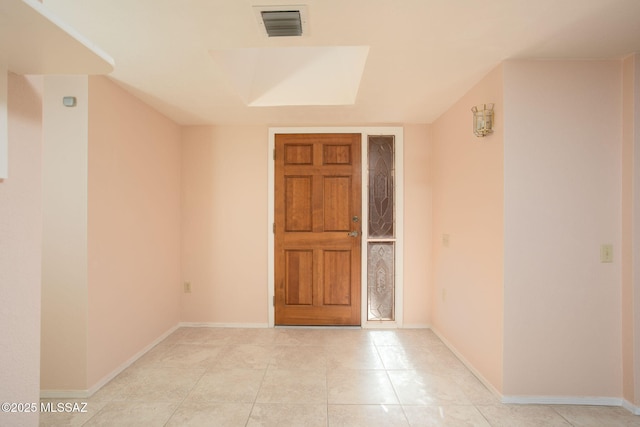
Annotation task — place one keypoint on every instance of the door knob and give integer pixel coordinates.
(353, 233)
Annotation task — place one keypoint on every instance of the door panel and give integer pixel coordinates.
(297, 154)
(318, 201)
(336, 207)
(298, 197)
(299, 277)
(337, 271)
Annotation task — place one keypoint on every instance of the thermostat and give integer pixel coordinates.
(69, 101)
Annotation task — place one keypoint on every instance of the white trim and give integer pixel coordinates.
(79, 394)
(635, 410)
(417, 326)
(562, 400)
(223, 325)
(378, 324)
(399, 170)
(65, 394)
(468, 364)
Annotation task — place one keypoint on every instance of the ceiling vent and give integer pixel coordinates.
(282, 21)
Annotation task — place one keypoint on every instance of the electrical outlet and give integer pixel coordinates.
(606, 253)
(187, 287)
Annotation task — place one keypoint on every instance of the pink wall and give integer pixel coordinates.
(64, 235)
(636, 233)
(631, 230)
(20, 250)
(562, 201)
(224, 211)
(133, 227)
(629, 101)
(467, 276)
(417, 225)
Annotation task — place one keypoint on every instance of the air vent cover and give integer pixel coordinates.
(283, 23)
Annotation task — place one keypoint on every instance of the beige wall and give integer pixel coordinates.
(224, 210)
(636, 232)
(467, 176)
(64, 237)
(631, 230)
(562, 153)
(133, 227)
(628, 92)
(20, 250)
(417, 226)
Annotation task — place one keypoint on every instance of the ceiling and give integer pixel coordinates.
(203, 61)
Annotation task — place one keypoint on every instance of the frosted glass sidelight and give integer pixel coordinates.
(380, 280)
(381, 187)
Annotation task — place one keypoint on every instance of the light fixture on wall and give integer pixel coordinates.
(482, 119)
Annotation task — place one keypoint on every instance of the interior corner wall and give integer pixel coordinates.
(224, 239)
(628, 131)
(562, 177)
(133, 227)
(631, 230)
(417, 225)
(467, 177)
(21, 250)
(636, 230)
(64, 235)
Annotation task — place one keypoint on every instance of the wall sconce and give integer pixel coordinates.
(482, 119)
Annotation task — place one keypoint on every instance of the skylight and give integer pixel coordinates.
(294, 75)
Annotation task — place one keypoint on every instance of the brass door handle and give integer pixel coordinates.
(353, 233)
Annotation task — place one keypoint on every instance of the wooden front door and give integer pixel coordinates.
(317, 229)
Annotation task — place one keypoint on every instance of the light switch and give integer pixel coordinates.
(445, 240)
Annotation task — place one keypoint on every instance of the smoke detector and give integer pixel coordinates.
(282, 21)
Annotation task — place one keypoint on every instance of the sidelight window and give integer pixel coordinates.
(381, 238)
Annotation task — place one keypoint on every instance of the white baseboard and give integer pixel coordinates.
(563, 400)
(383, 324)
(466, 363)
(416, 326)
(223, 325)
(81, 394)
(635, 410)
(64, 394)
(572, 400)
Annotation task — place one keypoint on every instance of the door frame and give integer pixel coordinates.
(365, 131)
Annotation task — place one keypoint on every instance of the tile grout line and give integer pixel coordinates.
(561, 416)
(185, 397)
(395, 392)
(326, 389)
(482, 414)
(255, 399)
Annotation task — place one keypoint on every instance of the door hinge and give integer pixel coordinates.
(274, 300)
(274, 228)
(274, 154)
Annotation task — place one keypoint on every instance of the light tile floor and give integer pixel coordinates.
(311, 377)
